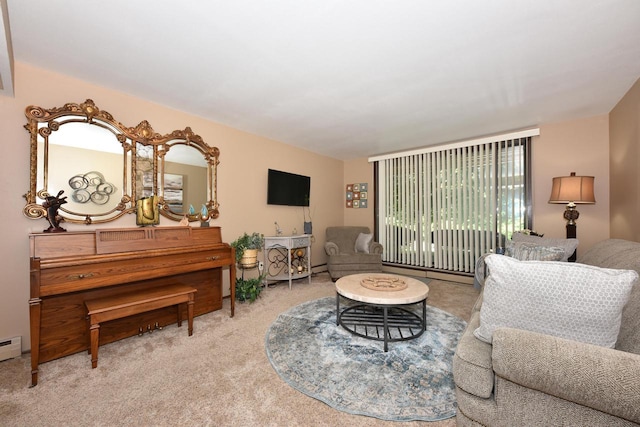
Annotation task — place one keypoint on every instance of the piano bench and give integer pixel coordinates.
(119, 306)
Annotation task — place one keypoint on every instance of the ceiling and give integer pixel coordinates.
(346, 79)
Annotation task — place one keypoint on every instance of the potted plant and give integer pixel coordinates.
(248, 289)
(247, 247)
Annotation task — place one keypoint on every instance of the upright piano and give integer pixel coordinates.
(71, 267)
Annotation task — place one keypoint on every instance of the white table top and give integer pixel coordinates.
(351, 287)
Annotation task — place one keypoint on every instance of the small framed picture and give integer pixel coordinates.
(349, 203)
(356, 187)
(363, 203)
(349, 187)
(363, 195)
(349, 195)
(356, 195)
(356, 204)
(364, 187)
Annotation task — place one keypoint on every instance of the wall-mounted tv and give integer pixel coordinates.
(288, 189)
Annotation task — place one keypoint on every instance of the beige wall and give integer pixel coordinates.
(624, 134)
(242, 178)
(580, 146)
(359, 170)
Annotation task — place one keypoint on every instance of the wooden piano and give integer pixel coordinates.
(69, 268)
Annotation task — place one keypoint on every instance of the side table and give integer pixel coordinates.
(287, 257)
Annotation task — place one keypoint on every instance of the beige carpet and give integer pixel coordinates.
(220, 376)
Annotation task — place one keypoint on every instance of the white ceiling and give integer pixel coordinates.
(346, 79)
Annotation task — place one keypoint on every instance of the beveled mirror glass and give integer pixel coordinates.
(103, 167)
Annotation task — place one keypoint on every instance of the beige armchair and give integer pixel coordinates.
(345, 258)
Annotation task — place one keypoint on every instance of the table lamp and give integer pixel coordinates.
(572, 190)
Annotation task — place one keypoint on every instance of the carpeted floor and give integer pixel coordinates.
(220, 376)
(411, 381)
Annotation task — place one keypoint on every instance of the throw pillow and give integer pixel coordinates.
(568, 300)
(569, 245)
(532, 252)
(362, 242)
(480, 273)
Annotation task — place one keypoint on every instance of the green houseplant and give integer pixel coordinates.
(247, 247)
(248, 289)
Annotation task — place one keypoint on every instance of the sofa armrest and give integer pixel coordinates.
(331, 248)
(472, 369)
(601, 378)
(375, 248)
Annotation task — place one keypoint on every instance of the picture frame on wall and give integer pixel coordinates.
(357, 195)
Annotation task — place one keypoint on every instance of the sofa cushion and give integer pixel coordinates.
(362, 242)
(525, 251)
(574, 301)
(569, 245)
(355, 259)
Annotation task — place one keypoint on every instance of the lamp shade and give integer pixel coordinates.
(572, 189)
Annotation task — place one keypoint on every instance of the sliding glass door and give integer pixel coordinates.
(444, 208)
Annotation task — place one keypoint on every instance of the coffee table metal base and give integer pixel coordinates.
(382, 322)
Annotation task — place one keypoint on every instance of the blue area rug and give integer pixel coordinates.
(412, 381)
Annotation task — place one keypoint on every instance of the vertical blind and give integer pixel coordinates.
(444, 208)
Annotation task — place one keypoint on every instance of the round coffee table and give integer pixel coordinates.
(384, 313)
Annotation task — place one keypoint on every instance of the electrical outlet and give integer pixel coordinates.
(260, 265)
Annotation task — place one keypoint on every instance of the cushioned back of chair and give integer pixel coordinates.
(621, 254)
(345, 237)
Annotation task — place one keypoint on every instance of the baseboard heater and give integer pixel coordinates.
(10, 348)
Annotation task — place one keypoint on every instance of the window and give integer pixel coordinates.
(443, 208)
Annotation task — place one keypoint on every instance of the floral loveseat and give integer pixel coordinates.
(521, 377)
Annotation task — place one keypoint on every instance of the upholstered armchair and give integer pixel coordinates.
(351, 250)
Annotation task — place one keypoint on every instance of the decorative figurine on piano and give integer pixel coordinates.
(52, 204)
(204, 216)
(147, 211)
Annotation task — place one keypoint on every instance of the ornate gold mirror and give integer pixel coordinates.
(83, 152)
(187, 176)
(103, 167)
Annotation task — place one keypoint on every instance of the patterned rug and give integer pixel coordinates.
(412, 381)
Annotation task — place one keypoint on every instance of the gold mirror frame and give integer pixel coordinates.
(42, 123)
(211, 156)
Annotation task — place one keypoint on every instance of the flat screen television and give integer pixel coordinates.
(288, 189)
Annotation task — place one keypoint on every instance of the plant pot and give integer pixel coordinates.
(249, 258)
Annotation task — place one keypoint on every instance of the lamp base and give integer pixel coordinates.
(571, 214)
(571, 234)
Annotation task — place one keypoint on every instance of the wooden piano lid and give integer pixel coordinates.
(117, 240)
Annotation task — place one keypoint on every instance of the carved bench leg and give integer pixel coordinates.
(190, 314)
(95, 340)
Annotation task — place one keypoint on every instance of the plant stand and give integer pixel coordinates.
(242, 267)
